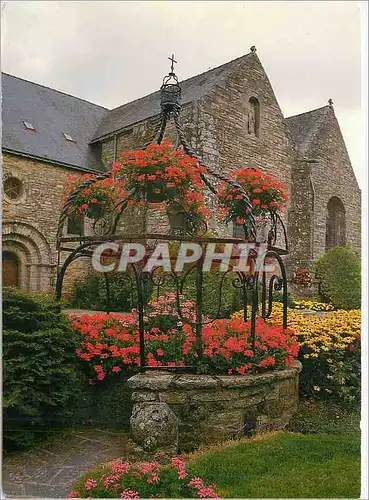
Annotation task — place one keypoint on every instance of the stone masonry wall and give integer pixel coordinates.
(174, 412)
(333, 176)
(223, 138)
(30, 223)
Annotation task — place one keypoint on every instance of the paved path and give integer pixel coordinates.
(49, 471)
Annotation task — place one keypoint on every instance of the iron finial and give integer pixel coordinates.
(253, 49)
(330, 102)
(172, 65)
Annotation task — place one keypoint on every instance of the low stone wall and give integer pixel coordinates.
(177, 412)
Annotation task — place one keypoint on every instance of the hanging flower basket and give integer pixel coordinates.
(159, 174)
(266, 195)
(94, 199)
(157, 192)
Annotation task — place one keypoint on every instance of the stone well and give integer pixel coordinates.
(177, 412)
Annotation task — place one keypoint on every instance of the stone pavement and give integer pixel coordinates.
(49, 471)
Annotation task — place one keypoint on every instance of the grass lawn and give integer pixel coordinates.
(284, 465)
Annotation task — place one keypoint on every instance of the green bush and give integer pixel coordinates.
(339, 271)
(39, 367)
(91, 293)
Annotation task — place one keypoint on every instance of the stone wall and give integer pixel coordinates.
(333, 176)
(30, 223)
(174, 412)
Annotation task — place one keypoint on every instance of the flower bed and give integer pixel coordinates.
(330, 351)
(143, 480)
(312, 305)
(110, 343)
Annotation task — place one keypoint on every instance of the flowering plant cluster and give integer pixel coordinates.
(302, 277)
(330, 350)
(162, 174)
(94, 200)
(143, 480)
(110, 342)
(265, 193)
(312, 305)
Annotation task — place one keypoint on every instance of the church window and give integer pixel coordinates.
(68, 137)
(75, 225)
(335, 224)
(13, 188)
(253, 117)
(28, 126)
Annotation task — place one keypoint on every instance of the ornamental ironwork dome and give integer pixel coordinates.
(256, 287)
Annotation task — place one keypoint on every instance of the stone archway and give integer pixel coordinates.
(31, 250)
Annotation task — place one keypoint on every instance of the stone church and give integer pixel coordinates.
(232, 119)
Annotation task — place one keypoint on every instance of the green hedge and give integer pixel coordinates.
(91, 293)
(339, 271)
(39, 367)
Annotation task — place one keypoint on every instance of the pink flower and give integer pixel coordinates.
(90, 483)
(119, 467)
(116, 369)
(72, 494)
(207, 493)
(154, 478)
(196, 482)
(129, 494)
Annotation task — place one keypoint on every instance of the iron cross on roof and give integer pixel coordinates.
(173, 62)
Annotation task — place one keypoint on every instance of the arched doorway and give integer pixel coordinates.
(336, 224)
(10, 269)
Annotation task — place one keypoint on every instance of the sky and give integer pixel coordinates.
(111, 53)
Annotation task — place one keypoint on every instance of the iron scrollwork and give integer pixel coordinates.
(256, 287)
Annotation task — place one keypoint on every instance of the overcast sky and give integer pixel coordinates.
(110, 53)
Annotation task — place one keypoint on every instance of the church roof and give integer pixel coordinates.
(51, 113)
(191, 89)
(305, 126)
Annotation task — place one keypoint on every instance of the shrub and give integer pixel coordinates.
(143, 480)
(110, 343)
(339, 271)
(90, 293)
(39, 366)
(330, 353)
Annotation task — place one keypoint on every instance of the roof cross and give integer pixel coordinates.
(173, 61)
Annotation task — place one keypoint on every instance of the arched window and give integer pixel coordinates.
(253, 117)
(336, 224)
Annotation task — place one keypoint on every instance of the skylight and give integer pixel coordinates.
(28, 125)
(68, 137)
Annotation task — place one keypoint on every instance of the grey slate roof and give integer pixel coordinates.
(305, 126)
(51, 113)
(191, 89)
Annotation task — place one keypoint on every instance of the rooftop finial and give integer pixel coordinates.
(172, 65)
(330, 102)
(253, 49)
